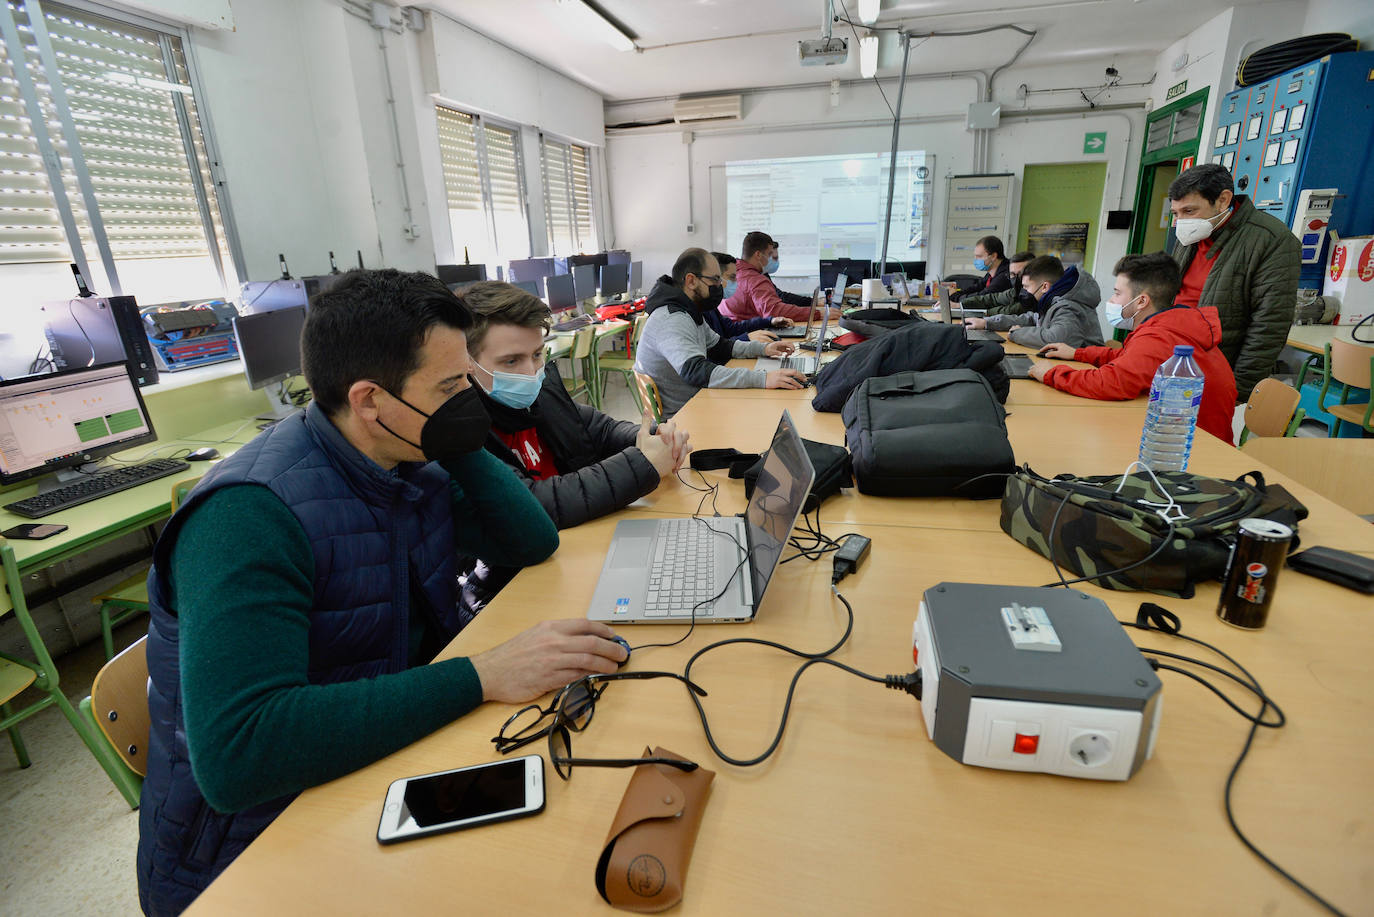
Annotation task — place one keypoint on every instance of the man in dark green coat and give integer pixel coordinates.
(1248, 271)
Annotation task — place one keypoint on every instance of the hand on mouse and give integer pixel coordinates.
(1056, 352)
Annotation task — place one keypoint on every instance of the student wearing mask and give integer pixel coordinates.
(579, 463)
(755, 295)
(1241, 263)
(1012, 301)
(303, 654)
(989, 256)
(751, 329)
(1143, 302)
(1065, 307)
(681, 353)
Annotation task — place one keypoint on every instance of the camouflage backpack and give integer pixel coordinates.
(1104, 524)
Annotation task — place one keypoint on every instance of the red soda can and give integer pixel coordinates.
(1253, 573)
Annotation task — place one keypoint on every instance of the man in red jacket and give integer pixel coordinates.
(755, 296)
(1143, 301)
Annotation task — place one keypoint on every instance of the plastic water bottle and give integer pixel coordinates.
(1171, 418)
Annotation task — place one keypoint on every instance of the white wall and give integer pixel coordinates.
(1353, 16)
(648, 166)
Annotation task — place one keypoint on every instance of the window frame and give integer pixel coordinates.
(582, 246)
(58, 89)
(479, 126)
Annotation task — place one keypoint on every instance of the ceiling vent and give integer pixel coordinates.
(708, 108)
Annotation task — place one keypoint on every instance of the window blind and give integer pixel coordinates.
(558, 205)
(458, 153)
(30, 227)
(582, 199)
(503, 169)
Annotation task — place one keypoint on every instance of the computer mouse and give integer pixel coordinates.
(625, 643)
(203, 455)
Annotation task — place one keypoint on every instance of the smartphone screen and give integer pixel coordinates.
(34, 530)
(462, 798)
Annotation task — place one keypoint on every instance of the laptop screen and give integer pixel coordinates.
(783, 484)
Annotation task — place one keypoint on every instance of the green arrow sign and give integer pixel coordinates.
(1095, 142)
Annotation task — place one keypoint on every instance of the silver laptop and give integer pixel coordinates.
(803, 331)
(658, 570)
(806, 364)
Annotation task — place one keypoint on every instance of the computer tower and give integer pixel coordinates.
(89, 330)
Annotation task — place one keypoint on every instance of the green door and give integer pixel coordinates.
(1060, 206)
(1171, 137)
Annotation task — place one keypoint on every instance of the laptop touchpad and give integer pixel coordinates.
(631, 552)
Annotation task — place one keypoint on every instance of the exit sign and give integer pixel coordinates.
(1095, 142)
(1176, 90)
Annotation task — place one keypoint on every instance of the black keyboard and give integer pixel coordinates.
(97, 486)
(1017, 365)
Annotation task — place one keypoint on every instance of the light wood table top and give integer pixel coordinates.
(1314, 338)
(858, 812)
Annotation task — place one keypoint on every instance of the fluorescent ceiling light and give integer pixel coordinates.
(598, 25)
(868, 11)
(868, 55)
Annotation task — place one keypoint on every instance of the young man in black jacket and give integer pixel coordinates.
(579, 463)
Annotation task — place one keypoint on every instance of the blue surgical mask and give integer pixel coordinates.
(1115, 318)
(730, 289)
(980, 264)
(514, 390)
(771, 266)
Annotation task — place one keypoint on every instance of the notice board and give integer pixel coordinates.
(977, 206)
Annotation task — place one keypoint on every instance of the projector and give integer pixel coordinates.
(823, 51)
(1039, 680)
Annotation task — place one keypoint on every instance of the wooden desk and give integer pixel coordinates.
(858, 811)
(1314, 338)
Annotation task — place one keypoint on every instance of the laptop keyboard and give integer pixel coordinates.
(683, 571)
(805, 364)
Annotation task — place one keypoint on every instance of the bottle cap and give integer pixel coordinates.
(1183, 350)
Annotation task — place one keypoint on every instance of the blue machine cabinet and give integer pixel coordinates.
(1310, 128)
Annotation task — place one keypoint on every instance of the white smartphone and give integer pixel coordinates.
(464, 798)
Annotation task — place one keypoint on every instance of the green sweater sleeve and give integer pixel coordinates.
(495, 517)
(256, 727)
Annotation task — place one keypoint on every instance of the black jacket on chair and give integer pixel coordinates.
(922, 346)
(602, 469)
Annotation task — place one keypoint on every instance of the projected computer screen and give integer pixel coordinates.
(826, 207)
(62, 419)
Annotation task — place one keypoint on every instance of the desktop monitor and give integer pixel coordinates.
(89, 330)
(270, 345)
(561, 290)
(619, 256)
(461, 273)
(636, 275)
(529, 286)
(266, 295)
(856, 270)
(319, 283)
(531, 270)
(584, 280)
(62, 420)
(599, 259)
(830, 268)
(615, 279)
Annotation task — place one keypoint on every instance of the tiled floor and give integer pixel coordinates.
(67, 839)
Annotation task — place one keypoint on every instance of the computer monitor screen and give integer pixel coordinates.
(619, 256)
(561, 292)
(856, 269)
(914, 270)
(270, 345)
(599, 259)
(529, 286)
(636, 275)
(461, 273)
(266, 295)
(584, 280)
(614, 279)
(531, 270)
(69, 418)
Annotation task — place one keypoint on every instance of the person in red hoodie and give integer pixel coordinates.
(1143, 300)
(755, 296)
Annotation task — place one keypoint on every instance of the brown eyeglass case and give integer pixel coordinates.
(643, 865)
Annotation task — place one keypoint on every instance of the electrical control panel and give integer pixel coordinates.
(1040, 680)
(1304, 130)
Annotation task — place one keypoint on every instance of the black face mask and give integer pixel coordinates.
(459, 426)
(714, 295)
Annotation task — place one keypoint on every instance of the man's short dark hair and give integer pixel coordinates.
(1042, 267)
(496, 303)
(992, 245)
(1022, 257)
(1208, 180)
(692, 261)
(371, 325)
(1156, 274)
(756, 242)
(723, 259)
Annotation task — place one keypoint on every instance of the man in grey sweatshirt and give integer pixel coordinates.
(1065, 311)
(681, 353)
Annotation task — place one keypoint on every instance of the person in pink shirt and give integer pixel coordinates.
(755, 296)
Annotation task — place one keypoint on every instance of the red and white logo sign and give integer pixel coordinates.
(1187, 163)
(1337, 262)
(1364, 268)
